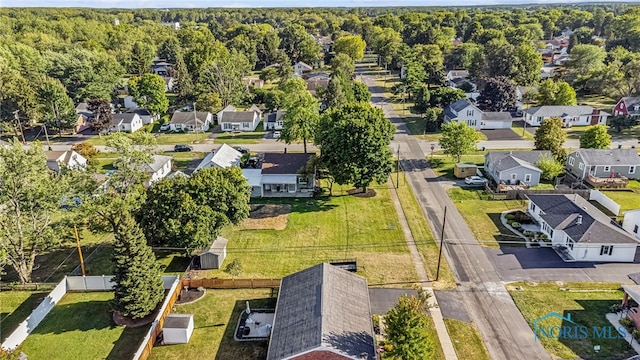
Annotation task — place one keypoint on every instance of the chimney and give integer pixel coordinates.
(579, 220)
(596, 112)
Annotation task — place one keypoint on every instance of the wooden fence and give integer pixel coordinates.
(231, 283)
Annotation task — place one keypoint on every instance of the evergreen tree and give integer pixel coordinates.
(407, 329)
(183, 86)
(138, 286)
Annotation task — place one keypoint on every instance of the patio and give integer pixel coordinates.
(255, 326)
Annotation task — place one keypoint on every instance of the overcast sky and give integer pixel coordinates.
(261, 3)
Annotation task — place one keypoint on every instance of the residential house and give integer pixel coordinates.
(84, 116)
(169, 82)
(630, 302)
(56, 160)
(228, 108)
(129, 103)
(317, 81)
(274, 120)
(301, 68)
(159, 168)
(547, 72)
(465, 111)
(161, 67)
(631, 222)
(239, 120)
(249, 82)
(456, 74)
(125, 122)
(225, 156)
(325, 42)
(576, 115)
(627, 106)
(514, 167)
(254, 178)
(578, 231)
(175, 25)
(604, 163)
(256, 108)
(281, 175)
(322, 312)
(145, 115)
(191, 121)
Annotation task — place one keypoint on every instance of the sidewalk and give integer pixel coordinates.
(434, 309)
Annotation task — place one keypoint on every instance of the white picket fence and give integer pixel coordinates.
(605, 201)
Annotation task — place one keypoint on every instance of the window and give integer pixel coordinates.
(514, 176)
(570, 244)
(527, 177)
(581, 166)
(607, 168)
(571, 160)
(635, 229)
(533, 207)
(606, 249)
(469, 112)
(632, 169)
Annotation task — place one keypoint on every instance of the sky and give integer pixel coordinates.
(265, 3)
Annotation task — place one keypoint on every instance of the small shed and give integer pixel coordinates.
(177, 328)
(462, 170)
(213, 258)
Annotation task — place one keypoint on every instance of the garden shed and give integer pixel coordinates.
(212, 258)
(177, 328)
(462, 170)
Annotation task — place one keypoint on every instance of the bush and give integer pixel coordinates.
(636, 334)
(85, 149)
(527, 232)
(435, 163)
(510, 216)
(626, 322)
(543, 236)
(615, 308)
(516, 225)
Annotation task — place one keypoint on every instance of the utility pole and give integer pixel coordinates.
(398, 169)
(46, 135)
(195, 120)
(444, 221)
(75, 230)
(15, 114)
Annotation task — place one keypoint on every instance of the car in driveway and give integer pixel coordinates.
(165, 127)
(182, 148)
(276, 134)
(475, 180)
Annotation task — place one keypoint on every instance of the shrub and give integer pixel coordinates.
(615, 308)
(516, 225)
(627, 322)
(435, 163)
(636, 334)
(85, 149)
(543, 236)
(387, 347)
(527, 232)
(510, 216)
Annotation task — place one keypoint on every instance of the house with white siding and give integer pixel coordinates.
(465, 111)
(578, 115)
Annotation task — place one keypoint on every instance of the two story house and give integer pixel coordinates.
(578, 115)
(465, 111)
(627, 106)
(604, 163)
(126, 122)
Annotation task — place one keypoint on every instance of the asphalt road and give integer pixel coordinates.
(504, 330)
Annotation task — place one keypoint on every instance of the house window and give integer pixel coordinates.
(280, 123)
(533, 207)
(607, 168)
(571, 160)
(469, 112)
(570, 244)
(527, 177)
(514, 176)
(632, 169)
(635, 229)
(245, 125)
(581, 166)
(606, 249)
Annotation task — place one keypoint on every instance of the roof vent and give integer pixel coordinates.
(579, 220)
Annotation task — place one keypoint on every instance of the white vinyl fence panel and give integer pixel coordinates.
(605, 201)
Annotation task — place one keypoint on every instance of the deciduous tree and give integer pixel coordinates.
(301, 118)
(551, 168)
(553, 92)
(458, 139)
(148, 91)
(102, 115)
(595, 137)
(57, 107)
(550, 136)
(499, 94)
(351, 45)
(224, 76)
(343, 63)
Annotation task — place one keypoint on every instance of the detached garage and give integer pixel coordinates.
(496, 120)
(212, 258)
(177, 328)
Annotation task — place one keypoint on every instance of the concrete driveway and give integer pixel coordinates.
(543, 264)
(500, 134)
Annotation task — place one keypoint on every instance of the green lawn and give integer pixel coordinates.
(15, 306)
(243, 137)
(587, 306)
(598, 101)
(446, 163)
(633, 133)
(163, 139)
(215, 318)
(628, 200)
(80, 327)
(483, 216)
(466, 340)
(104, 160)
(522, 132)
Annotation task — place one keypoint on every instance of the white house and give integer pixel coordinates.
(146, 115)
(578, 115)
(159, 168)
(631, 222)
(226, 109)
(225, 156)
(301, 68)
(191, 121)
(578, 231)
(465, 111)
(126, 122)
(274, 120)
(239, 120)
(69, 158)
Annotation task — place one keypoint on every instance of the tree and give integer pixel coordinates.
(360, 91)
(57, 107)
(422, 98)
(553, 92)
(620, 122)
(354, 142)
(210, 102)
(595, 137)
(551, 168)
(142, 55)
(183, 85)
(528, 65)
(343, 63)
(269, 74)
(444, 96)
(351, 45)
(585, 59)
(148, 91)
(30, 222)
(335, 95)
(102, 116)
(550, 136)
(138, 286)
(301, 118)
(224, 76)
(458, 139)
(499, 94)
(298, 45)
(407, 327)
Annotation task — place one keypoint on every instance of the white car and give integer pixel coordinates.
(276, 134)
(165, 127)
(475, 180)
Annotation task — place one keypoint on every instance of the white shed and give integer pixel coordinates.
(177, 328)
(213, 258)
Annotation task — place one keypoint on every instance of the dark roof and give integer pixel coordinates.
(635, 277)
(187, 117)
(616, 157)
(561, 110)
(452, 110)
(237, 116)
(275, 116)
(504, 160)
(125, 118)
(281, 164)
(140, 111)
(322, 307)
(562, 212)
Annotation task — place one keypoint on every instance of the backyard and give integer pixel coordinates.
(627, 199)
(15, 306)
(586, 302)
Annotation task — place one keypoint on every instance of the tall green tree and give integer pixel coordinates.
(183, 84)
(458, 139)
(343, 63)
(595, 137)
(142, 55)
(301, 118)
(298, 44)
(351, 45)
(407, 326)
(138, 286)
(360, 91)
(354, 142)
(57, 107)
(553, 92)
(528, 65)
(148, 91)
(499, 94)
(551, 168)
(550, 136)
(224, 76)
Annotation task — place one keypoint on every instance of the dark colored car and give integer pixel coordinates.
(182, 147)
(241, 149)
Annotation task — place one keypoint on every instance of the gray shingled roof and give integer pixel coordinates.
(283, 164)
(158, 162)
(452, 110)
(616, 157)
(322, 307)
(635, 277)
(505, 160)
(561, 111)
(187, 117)
(125, 118)
(237, 116)
(629, 103)
(502, 116)
(561, 212)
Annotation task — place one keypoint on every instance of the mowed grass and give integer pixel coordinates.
(15, 306)
(587, 305)
(446, 163)
(628, 200)
(163, 138)
(243, 137)
(181, 160)
(329, 228)
(483, 216)
(467, 340)
(81, 327)
(215, 319)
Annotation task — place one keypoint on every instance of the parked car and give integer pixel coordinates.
(165, 127)
(241, 149)
(475, 180)
(276, 134)
(182, 147)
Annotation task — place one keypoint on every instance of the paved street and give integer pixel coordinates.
(504, 330)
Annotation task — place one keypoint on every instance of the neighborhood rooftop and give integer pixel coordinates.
(238, 116)
(609, 157)
(561, 110)
(224, 157)
(505, 160)
(125, 118)
(158, 162)
(277, 163)
(579, 219)
(188, 117)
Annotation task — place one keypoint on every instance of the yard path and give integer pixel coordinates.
(434, 310)
(504, 330)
